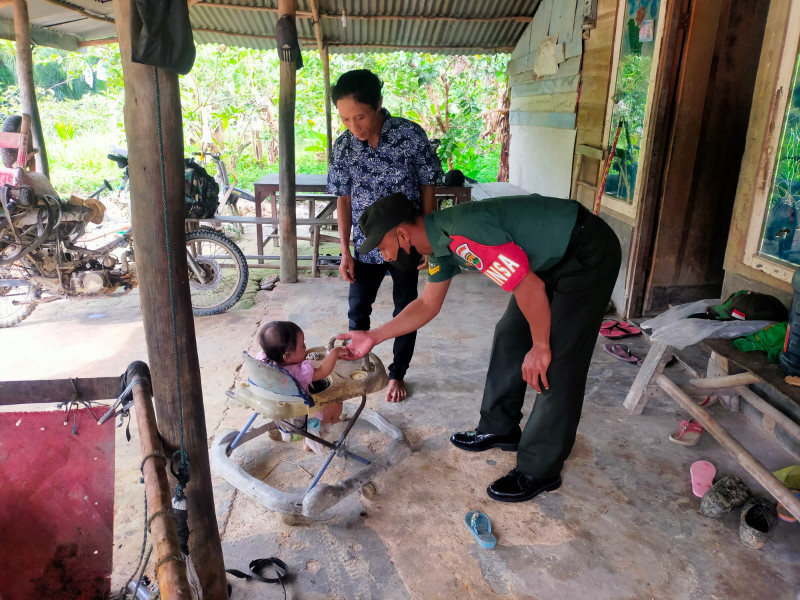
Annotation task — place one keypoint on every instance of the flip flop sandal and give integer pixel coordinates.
(689, 433)
(481, 528)
(783, 512)
(726, 494)
(709, 401)
(702, 473)
(622, 352)
(616, 329)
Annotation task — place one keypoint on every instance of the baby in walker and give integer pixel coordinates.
(283, 344)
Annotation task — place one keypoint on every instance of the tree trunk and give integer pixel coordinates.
(504, 134)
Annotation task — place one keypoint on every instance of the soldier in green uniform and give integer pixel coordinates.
(560, 263)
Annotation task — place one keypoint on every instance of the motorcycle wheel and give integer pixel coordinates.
(10, 313)
(224, 269)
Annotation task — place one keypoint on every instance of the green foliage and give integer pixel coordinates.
(230, 105)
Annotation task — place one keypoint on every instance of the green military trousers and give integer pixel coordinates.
(579, 288)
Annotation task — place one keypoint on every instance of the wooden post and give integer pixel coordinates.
(27, 90)
(168, 323)
(171, 574)
(286, 179)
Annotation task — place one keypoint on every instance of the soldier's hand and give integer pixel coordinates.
(361, 342)
(534, 368)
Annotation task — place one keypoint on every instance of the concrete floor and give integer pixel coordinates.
(624, 524)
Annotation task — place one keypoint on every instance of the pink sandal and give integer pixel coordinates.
(622, 352)
(689, 433)
(702, 473)
(613, 329)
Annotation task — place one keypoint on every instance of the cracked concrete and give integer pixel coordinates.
(623, 525)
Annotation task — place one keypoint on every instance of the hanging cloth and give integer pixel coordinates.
(162, 34)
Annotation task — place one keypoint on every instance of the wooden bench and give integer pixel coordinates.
(731, 388)
(314, 225)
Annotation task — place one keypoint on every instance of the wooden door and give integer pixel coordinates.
(706, 140)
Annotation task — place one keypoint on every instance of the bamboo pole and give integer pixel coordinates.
(326, 72)
(761, 474)
(164, 288)
(27, 90)
(286, 178)
(170, 573)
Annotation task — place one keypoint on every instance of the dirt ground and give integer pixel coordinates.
(623, 525)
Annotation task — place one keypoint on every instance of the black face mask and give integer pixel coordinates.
(406, 261)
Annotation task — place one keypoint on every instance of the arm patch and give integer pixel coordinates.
(506, 264)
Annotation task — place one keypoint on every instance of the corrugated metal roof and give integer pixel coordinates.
(448, 26)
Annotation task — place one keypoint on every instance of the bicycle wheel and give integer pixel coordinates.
(14, 300)
(222, 272)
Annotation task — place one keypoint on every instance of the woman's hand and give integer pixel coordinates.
(535, 365)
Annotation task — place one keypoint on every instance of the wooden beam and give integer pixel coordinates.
(429, 48)
(59, 390)
(286, 159)
(27, 90)
(769, 411)
(155, 142)
(75, 8)
(761, 474)
(315, 15)
(326, 73)
(170, 573)
(41, 36)
(724, 381)
(98, 42)
(248, 35)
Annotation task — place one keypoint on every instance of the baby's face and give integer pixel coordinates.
(298, 354)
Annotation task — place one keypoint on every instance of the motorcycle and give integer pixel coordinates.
(44, 258)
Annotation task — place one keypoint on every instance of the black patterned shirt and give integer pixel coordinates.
(402, 162)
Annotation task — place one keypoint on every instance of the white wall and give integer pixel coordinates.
(544, 72)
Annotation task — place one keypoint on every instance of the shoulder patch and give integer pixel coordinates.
(505, 264)
(433, 269)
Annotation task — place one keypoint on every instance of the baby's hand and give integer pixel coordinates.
(339, 351)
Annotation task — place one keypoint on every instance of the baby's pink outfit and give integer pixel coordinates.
(302, 372)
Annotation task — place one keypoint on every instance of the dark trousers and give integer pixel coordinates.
(579, 288)
(362, 296)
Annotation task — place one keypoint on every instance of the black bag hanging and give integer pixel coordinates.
(288, 45)
(161, 34)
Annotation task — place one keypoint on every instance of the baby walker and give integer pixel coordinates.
(274, 394)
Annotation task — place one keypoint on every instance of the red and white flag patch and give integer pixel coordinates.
(506, 264)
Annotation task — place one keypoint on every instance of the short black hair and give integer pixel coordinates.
(277, 338)
(362, 84)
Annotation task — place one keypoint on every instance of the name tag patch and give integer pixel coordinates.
(506, 264)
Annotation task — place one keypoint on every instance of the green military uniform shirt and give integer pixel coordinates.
(504, 238)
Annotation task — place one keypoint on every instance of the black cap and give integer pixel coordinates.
(382, 216)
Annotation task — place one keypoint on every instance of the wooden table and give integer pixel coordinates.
(308, 185)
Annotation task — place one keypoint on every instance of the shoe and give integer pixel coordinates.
(757, 520)
(725, 495)
(475, 441)
(516, 486)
